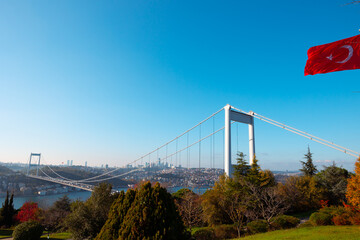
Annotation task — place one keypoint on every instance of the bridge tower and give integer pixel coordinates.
(232, 115)
(38, 165)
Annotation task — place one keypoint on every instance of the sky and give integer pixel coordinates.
(108, 81)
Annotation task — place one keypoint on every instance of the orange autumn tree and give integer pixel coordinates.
(353, 187)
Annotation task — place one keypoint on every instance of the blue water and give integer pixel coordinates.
(48, 200)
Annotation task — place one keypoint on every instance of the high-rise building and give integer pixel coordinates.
(68, 162)
(71, 162)
(85, 163)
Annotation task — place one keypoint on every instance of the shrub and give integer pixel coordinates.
(355, 219)
(257, 226)
(225, 231)
(333, 211)
(28, 231)
(321, 218)
(204, 234)
(343, 219)
(284, 222)
(346, 216)
(306, 224)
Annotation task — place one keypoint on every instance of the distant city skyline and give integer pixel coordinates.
(94, 81)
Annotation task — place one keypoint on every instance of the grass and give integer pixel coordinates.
(5, 233)
(57, 236)
(309, 233)
(194, 229)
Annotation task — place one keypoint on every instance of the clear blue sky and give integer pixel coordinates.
(106, 81)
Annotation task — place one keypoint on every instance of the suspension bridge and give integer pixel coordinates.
(204, 140)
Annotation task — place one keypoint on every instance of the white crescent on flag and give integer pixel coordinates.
(351, 50)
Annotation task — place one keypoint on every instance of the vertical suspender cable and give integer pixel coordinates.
(237, 139)
(199, 145)
(223, 148)
(176, 156)
(187, 152)
(157, 156)
(166, 153)
(213, 136)
(180, 157)
(210, 156)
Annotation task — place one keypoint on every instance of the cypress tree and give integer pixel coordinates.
(145, 213)
(242, 168)
(11, 211)
(116, 215)
(5, 210)
(308, 167)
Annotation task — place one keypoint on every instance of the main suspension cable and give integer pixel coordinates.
(302, 133)
(148, 154)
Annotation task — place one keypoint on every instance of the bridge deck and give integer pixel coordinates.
(83, 186)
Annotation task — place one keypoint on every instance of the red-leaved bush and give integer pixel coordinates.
(28, 211)
(324, 203)
(355, 220)
(343, 219)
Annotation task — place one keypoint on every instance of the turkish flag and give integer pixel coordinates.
(336, 56)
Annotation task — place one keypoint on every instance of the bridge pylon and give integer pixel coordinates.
(38, 165)
(232, 115)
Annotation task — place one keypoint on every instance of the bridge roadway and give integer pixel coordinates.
(83, 186)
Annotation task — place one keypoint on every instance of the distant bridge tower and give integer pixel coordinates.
(231, 115)
(38, 165)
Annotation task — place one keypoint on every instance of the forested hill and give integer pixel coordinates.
(5, 171)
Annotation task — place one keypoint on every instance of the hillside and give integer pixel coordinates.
(5, 171)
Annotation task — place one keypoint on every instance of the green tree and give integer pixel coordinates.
(87, 218)
(231, 201)
(234, 200)
(7, 211)
(252, 173)
(334, 181)
(301, 193)
(189, 207)
(181, 193)
(144, 213)
(213, 210)
(117, 214)
(242, 168)
(54, 216)
(308, 167)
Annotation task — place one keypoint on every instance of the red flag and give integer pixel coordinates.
(337, 56)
